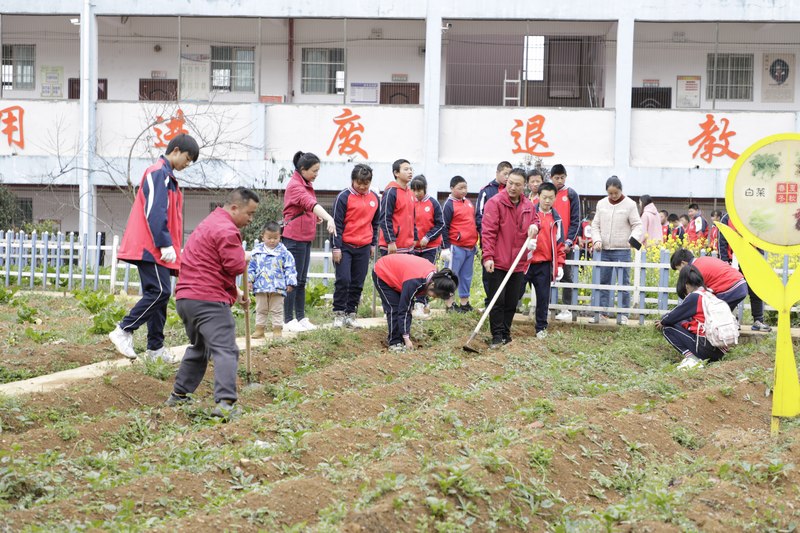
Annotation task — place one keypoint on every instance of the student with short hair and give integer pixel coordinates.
(697, 228)
(568, 205)
(727, 283)
(355, 213)
(399, 279)
(533, 180)
(427, 220)
(664, 219)
(272, 275)
(547, 259)
(682, 327)
(459, 239)
(397, 233)
(152, 242)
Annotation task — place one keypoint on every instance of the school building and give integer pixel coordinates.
(664, 95)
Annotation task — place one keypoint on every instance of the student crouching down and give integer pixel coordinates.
(682, 327)
(399, 278)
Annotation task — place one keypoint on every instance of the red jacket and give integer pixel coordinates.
(505, 229)
(459, 224)
(156, 219)
(211, 261)
(697, 230)
(568, 205)
(298, 206)
(718, 275)
(408, 275)
(550, 241)
(397, 217)
(428, 221)
(356, 219)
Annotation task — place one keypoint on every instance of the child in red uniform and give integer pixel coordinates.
(459, 239)
(548, 258)
(723, 280)
(355, 214)
(427, 219)
(399, 278)
(397, 212)
(697, 230)
(681, 326)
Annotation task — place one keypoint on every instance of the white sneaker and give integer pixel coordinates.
(623, 320)
(564, 316)
(542, 334)
(689, 362)
(123, 341)
(293, 326)
(598, 319)
(339, 320)
(306, 325)
(162, 353)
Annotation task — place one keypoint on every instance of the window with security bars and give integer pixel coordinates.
(730, 77)
(233, 68)
(18, 69)
(320, 68)
(24, 214)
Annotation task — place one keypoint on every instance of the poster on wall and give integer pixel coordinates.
(52, 82)
(363, 93)
(777, 78)
(194, 76)
(688, 92)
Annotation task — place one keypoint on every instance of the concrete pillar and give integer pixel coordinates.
(622, 119)
(433, 78)
(88, 117)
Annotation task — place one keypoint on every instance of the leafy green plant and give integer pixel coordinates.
(686, 438)
(93, 301)
(766, 166)
(26, 314)
(107, 319)
(39, 337)
(6, 295)
(315, 293)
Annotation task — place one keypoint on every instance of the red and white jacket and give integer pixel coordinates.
(459, 223)
(429, 222)
(397, 218)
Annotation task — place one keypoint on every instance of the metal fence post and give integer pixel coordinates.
(9, 239)
(595, 298)
(113, 280)
(45, 259)
(21, 256)
(96, 257)
(325, 261)
(663, 281)
(84, 259)
(59, 251)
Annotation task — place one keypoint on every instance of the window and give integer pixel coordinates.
(24, 212)
(232, 68)
(74, 89)
(732, 79)
(533, 59)
(158, 89)
(19, 66)
(320, 69)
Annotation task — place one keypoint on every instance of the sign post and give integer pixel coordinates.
(762, 199)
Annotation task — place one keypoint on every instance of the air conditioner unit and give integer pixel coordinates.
(651, 97)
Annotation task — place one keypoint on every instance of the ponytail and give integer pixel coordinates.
(444, 283)
(304, 160)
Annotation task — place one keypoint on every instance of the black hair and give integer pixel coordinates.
(455, 180)
(534, 172)
(397, 164)
(684, 216)
(361, 172)
(717, 213)
(304, 161)
(419, 183)
(184, 143)
(646, 200)
(558, 169)
(681, 255)
(689, 275)
(547, 186)
(665, 212)
(271, 226)
(614, 181)
(502, 165)
(519, 171)
(672, 217)
(241, 196)
(590, 215)
(444, 283)
(693, 206)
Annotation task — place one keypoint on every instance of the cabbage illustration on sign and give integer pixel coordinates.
(761, 196)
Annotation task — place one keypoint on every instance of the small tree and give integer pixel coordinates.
(10, 211)
(270, 208)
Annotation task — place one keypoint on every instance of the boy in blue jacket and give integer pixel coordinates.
(272, 274)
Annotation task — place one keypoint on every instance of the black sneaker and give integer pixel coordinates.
(225, 410)
(455, 308)
(496, 343)
(506, 339)
(466, 308)
(175, 400)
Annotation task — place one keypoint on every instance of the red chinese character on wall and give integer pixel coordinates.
(533, 137)
(710, 144)
(348, 134)
(172, 128)
(11, 118)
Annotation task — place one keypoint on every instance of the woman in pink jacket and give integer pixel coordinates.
(300, 214)
(651, 221)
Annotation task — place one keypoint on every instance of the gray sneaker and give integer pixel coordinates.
(397, 348)
(339, 320)
(225, 410)
(162, 353)
(350, 321)
(760, 326)
(175, 400)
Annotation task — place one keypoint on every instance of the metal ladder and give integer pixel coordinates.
(512, 84)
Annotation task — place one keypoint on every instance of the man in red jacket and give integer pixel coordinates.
(205, 292)
(508, 220)
(152, 242)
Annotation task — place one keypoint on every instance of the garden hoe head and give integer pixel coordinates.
(468, 347)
